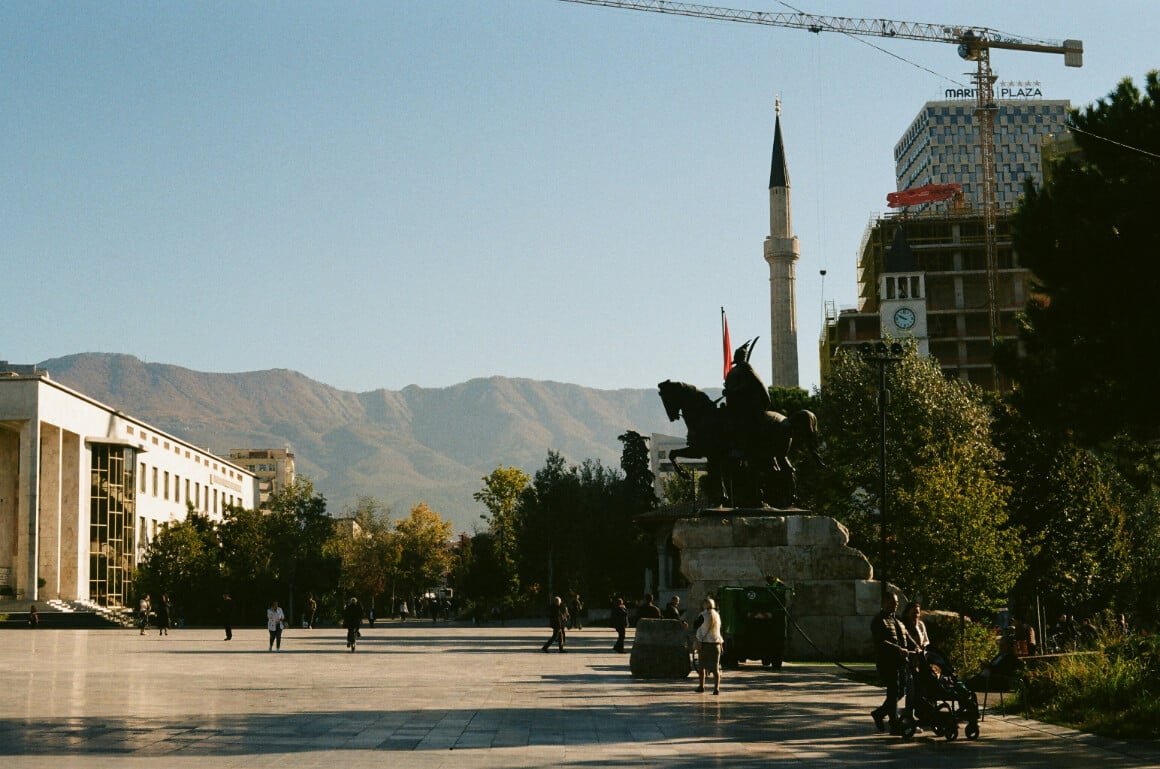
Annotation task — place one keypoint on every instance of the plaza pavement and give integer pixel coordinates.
(417, 695)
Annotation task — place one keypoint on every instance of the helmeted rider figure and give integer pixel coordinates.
(746, 401)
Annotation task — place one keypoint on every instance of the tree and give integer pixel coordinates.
(182, 560)
(1074, 509)
(1090, 235)
(638, 477)
(424, 543)
(298, 528)
(948, 534)
(368, 551)
(500, 495)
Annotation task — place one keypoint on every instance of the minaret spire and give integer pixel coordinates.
(781, 253)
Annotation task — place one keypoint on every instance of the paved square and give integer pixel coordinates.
(417, 695)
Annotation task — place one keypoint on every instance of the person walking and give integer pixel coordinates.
(557, 619)
(275, 623)
(351, 619)
(892, 647)
(143, 609)
(164, 609)
(709, 643)
(574, 613)
(311, 610)
(227, 610)
(620, 623)
(403, 610)
(33, 617)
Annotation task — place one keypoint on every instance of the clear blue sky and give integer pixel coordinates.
(379, 194)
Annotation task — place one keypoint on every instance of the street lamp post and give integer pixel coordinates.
(883, 356)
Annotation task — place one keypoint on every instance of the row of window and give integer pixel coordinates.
(207, 502)
(226, 470)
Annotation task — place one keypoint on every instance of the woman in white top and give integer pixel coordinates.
(275, 621)
(709, 643)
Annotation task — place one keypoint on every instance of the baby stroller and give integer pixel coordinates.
(940, 701)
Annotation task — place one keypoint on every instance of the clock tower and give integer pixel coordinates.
(902, 295)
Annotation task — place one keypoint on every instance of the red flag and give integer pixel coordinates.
(726, 345)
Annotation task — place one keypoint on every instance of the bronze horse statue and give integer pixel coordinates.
(747, 464)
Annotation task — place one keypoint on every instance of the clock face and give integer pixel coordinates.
(904, 318)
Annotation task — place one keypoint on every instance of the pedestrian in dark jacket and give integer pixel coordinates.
(892, 649)
(352, 617)
(620, 623)
(558, 620)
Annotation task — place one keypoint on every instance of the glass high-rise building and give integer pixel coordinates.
(941, 146)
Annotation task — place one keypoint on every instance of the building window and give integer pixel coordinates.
(187, 490)
(142, 477)
(111, 525)
(166, 488)
(155, 476)
(176, 488)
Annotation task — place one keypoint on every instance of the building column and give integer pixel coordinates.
(49, 513)
(26, 511)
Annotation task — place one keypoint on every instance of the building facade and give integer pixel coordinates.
(84, 488)
(940, 299)
(941, 146)
(274, 469)
(922, 273)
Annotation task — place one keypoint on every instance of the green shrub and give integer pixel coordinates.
(1114, 691)
(967, 645)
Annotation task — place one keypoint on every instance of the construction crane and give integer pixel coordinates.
(974, 44)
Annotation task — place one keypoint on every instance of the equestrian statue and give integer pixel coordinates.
(745, 444)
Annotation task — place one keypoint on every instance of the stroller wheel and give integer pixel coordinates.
(972, 730)
(952, 733)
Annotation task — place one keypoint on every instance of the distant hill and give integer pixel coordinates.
(401, 447)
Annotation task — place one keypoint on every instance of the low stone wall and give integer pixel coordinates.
(832, 598)
(659, 650)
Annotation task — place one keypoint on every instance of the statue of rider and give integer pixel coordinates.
(746, 398)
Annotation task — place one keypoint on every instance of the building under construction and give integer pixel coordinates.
(945, 275)
(923, 273)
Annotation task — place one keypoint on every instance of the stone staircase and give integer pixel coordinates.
(63, 614)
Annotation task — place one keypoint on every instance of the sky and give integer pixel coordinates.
(393, 193)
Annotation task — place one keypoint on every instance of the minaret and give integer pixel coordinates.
(781, 253)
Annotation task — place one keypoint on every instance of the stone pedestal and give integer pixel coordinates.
(832, 597)
(659, 650)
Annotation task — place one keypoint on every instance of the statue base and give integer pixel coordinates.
(832, 597)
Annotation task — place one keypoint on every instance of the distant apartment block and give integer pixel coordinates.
(274, 469)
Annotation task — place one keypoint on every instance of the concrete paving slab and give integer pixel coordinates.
(422, 695)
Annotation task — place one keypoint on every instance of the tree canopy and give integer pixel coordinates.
(1091, 238)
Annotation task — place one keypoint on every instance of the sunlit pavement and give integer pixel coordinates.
(417, 695)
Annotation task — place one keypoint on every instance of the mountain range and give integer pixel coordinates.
(402, 447)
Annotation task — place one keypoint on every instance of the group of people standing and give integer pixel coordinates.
(163, 617)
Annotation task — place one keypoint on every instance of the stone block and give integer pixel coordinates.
(692, 533)
(838, 563)
(825, 597)
(868, 594)
(859, 644)
(659, 650)
(763, 531)
(810, 530)
(824, 632)
(722, 563)
(784, 563)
